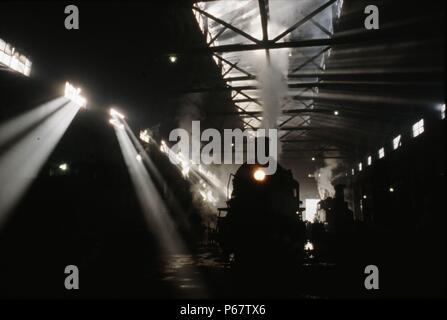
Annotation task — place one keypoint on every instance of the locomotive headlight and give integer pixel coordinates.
(259, 174)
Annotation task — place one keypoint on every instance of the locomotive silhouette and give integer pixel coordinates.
(263, 221)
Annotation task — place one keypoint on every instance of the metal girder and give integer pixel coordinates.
(304, 85)
(242, 111)
(267, 44)
(320, 74)
(287, 156)
(272, 45)
(301, 95)
(306, 75)
(288, 120)
(286, 134)
(311, 59)
(250, 98)
(254, 87)
(302, 141)
(227, 25)
(247, 100)
(322, 28)
(304, 20)
(233, 65)
(312, 150)
(263, 12)
(294, 115)
(303, 128)
(290, 76)
(241, 78)
(248, 124)
(320, 42)
(332, 74)
(283, 112)
(218, 34)
(228, 71)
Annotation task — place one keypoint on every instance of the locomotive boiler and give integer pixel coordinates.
(263, 220)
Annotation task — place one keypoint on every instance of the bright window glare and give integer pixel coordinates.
(381, 153)
(418, 128)
(144, 136)
(12, 59)
(396, 142)
(74, 94)
(443, 112)
(308, 246)
(360, 166)
(369, 160)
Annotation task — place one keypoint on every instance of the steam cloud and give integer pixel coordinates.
(324, 177)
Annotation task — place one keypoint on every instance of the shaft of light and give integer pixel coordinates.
(16, 126)
(21, 163)
(154, 208)
(152, 204)
(168, 195)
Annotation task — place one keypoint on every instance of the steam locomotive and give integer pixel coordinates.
(263, 220)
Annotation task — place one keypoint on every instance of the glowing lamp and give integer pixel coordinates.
(173, 58)
(259, 175)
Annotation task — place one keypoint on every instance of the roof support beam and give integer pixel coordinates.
(284, 112)
(311, 59)
(303, 128)
(233, 65)
(322, 156)
(313, 150)
(263, 11)
(322, 28)
(227, 25)
(218, 34)
(304, 20)
(272, 45)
